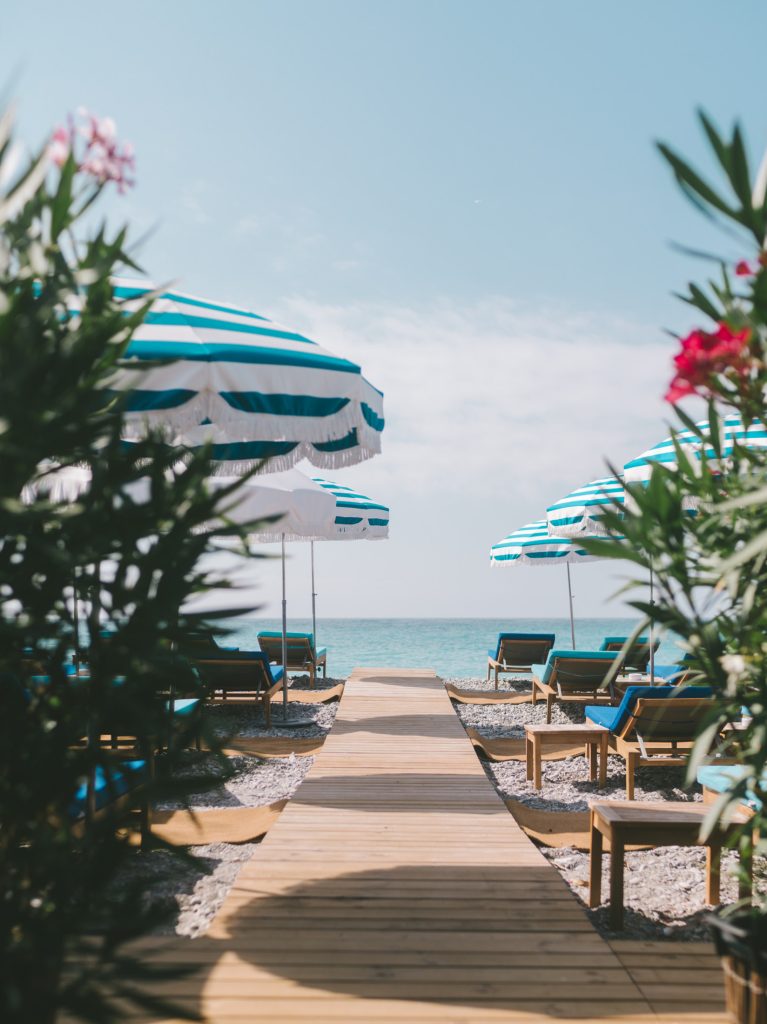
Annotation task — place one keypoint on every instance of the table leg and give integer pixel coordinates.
(595, 864)
(603, 760)
(616, 882)
(713, 871)
(537, 753)
(591, 750)
(529, 755)
(746, 875)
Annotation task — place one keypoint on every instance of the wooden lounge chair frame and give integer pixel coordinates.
(518, 654)
(636, 658)
(659, 732)
(574, 683)
(301, 654)
(242, 680)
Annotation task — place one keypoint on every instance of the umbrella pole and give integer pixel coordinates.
(314, 601)
(652, 626)
(570, 596)
(284, 639)
(76, 623)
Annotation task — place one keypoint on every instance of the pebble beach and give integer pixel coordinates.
(664, 895)
(664, 887)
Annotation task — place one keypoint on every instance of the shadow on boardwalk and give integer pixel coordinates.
(391, 945)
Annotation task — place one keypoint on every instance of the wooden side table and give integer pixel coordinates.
(594, 738)
(661, 823)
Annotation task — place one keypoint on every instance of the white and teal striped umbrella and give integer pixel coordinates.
(582, 511)
(357, 516)
(258, 389)
(534, 545)
(732, 430)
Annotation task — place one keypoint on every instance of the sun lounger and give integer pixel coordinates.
(572, 676)
(301, 653)
(518, 652)
(653, 726)
(717, 779)
(242, 676)
(637, 656)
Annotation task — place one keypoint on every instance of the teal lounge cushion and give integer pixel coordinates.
(640, 640)
(275, 634)
(720, 778)
(127, 777)
(618, 717)
(600, 714)
(183, 706)
(555, 653)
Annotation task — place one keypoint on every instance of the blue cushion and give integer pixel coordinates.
(275, 634)
(127, 777)
(600, 714)
(622, 640)
(720, 778)
(183, 706)
(276, 671)
(633, 693)
(321, 651)
(519, 636)
(556, 652)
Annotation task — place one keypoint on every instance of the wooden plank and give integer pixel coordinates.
(397, 887)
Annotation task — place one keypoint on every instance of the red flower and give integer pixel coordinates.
(704, 357)
(744, 269)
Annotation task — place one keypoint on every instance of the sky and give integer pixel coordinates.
(463, 197)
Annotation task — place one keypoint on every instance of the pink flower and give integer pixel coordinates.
(60, 146)
(743, 269)
(101, 157)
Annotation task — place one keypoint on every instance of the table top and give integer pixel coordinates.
(654, 812)
(563, 730)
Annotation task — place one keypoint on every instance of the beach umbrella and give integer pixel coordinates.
(256, 389)
(732, 431)
(356, 517)
(581, 512)
(534, 545)
(305, 511)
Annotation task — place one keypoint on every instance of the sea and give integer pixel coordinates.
(454, 648)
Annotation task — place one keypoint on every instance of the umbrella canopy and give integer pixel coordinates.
(258, 389)
(357, 516)
(306, 511)
(732, 430)
(534, 545)
(581, 512)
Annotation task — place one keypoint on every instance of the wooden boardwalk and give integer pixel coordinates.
(397, 887)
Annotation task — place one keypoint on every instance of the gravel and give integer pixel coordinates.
(191, 891)
(664, 887)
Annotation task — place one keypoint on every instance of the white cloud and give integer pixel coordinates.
(498, 396)
(493, 412)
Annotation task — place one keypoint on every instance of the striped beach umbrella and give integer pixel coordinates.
(732, 430)
(582, 511)
(258, 390)
(357, 516)
(534, 545)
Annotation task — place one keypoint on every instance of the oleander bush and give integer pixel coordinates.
(132, 563)
(701, 527)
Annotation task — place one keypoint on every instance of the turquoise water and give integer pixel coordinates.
(453, 647)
